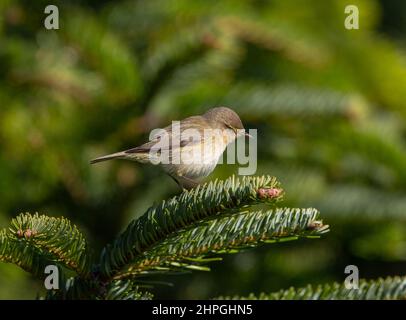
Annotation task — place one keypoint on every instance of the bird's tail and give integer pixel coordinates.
(118, 155)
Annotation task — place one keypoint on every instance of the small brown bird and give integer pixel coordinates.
(188, 150)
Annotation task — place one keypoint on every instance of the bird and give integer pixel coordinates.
(188, 150)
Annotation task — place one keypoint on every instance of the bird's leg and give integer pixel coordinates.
(183, 182)
(176, 180)
(188, 183)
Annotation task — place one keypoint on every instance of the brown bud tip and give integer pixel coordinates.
(28, 233)
(262, 193)
(19, 233)
(210, 41)
(270, 193)
(315, 225)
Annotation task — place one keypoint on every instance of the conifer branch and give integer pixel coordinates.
(30, 259)
(227, 234)
(180, 212)
(126, 290)
(393, 288)
(294, 101)
(363, 204)
(118, 66)
(34, 241)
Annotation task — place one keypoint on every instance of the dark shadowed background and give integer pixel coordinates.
(329, 105)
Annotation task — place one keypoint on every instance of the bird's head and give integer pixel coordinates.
(225, 118)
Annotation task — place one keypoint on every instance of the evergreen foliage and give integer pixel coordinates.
(33, 241)
(329, 105)
(184, 232)
(180, 212)
(390, 288)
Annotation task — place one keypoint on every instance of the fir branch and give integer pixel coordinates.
(168, 54)
(373, 146)
(34, 241)
(362, 203)
(228, 234)
(28, 258)
(126, 290)
(287, 100)
(390, 288)
(179, 212)
(275, 37)
(94, 43)
(76, 288)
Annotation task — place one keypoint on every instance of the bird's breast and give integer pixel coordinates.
(198, 160)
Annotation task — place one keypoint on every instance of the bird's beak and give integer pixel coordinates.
(248, 135)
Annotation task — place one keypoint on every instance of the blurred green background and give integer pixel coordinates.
(329, 105)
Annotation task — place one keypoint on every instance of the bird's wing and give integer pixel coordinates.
(172, 135)
(168, 133)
